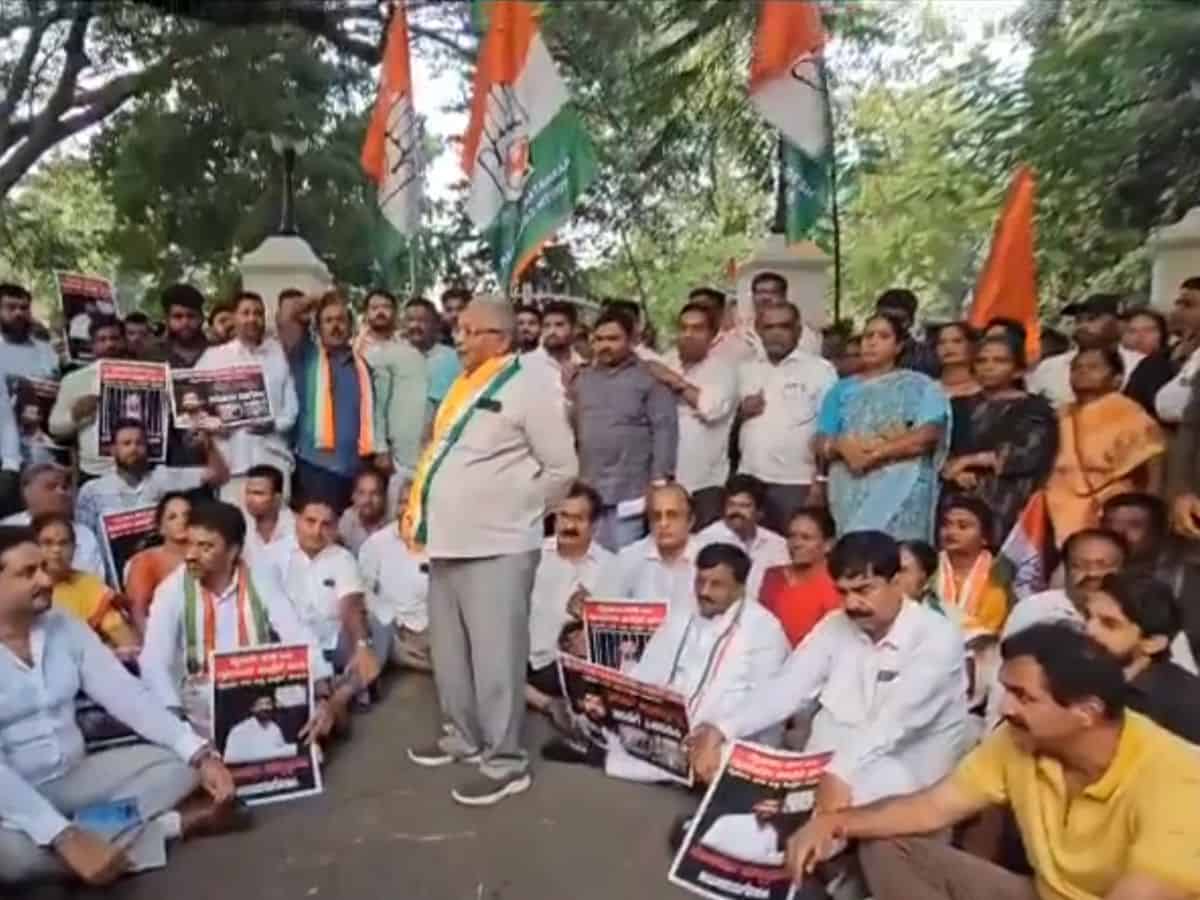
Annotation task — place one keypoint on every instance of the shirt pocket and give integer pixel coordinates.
(842, 696)
(799, 403)
(487, 431)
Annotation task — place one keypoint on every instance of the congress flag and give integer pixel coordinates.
(787, 86)
(525, 151)
(392, 154)
(1007, 286)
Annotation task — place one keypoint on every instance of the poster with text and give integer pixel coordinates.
(735, 846)
(261, 700)
(616, 632)
(123, 534)
(229, 397)
(133, 390)
(649, 721)
(83, 297)
(32, 399)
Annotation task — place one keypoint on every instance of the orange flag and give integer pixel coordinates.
(1007, 285)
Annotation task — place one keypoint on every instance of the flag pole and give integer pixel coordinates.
(779, 223)
(834, 209)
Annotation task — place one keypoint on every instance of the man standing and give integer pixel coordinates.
(20, 352)
(422, 327)
(183, 307)
(502, 449)
(901, 305)
(529, 328)
(627, 430)
(245, 448)
(340, 425)
(706, 385)
(771, 289)
(454, 301)
(139, 338)
(559, 320)
(221, 324)
(46, 491)
(741, 526)
(1172, 398)
(74, 413)
(662, 565)
(46, 658)
(401, 381)
(1183, 490)
(781, 396)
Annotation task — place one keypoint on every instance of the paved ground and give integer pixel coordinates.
(385, 828)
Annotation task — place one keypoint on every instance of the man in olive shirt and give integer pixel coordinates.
(1104, 799)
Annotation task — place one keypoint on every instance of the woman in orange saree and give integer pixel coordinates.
(1107, 445)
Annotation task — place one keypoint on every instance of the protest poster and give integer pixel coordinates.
(229, 397)
(133, 390)
(261, 700)
(651, 722)
(616, 632)
(123, 534)
(83, 297)
(32, 399)
(734, 848)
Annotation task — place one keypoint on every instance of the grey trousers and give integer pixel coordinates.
(928, 869)
(479, 642)
(157, 778)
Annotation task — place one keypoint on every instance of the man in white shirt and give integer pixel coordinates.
(661, 565)
(1172, 397)
(73, 415)
(713, 653)
(367, 512)
(46, 658)
(244, 448)
(249, 609)
(270, 525)
(705, 384)
(1097, 325)
(781, 394)
(883, 678)
(46, 490)
(573, 568)
(751, 837)
(258, 737)
(740, 525)
(396, 578)
(133, 484)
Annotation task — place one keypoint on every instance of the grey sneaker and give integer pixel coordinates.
(432, 756)
(484, 791)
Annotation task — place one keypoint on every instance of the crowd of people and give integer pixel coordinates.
(823, 512)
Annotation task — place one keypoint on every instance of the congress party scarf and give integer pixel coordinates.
(200, 619)
(452, 417)
(320, 398)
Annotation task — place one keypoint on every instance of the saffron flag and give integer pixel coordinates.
(1020, 564)
(787, 86)
(1007, 286)
(525, 152)
(392, 154)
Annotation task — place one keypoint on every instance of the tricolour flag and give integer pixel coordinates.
(1020, 565)
(525, 151)
(1007, 286)
(392, 153)
(787, 85)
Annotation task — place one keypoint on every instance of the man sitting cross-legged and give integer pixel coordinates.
(46, 658)
(1104, 799)
(215, 603)
(883, 679)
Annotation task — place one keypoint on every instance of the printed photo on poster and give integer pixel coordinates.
(229, 397)
(83, 297)
(261, 700)
(650, 722)
(735, 846)
(32, 399)
(617, 632)
(133, 390)
(124, 534)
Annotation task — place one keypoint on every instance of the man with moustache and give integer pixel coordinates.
(1104, 799)
(258, 445)
(454, 301)
(529, 329)
(423, 327)
(20, 352)
(74, 414)
(340, 425)
(741, 525)
(139, 336)
(557, 350)
(882, 680)
(183, 308)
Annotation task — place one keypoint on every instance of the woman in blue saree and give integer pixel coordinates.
(884, 434)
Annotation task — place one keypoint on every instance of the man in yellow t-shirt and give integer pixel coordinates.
(1107, 803)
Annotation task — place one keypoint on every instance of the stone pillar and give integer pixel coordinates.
(1175, 256)
(806, 269)
(283, 261)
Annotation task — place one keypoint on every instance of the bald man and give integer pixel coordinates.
(502, 454)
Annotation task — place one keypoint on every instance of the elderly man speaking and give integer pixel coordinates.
(502, 453)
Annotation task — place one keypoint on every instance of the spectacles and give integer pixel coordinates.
(468, 333)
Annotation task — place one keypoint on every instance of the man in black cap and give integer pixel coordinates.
(901, 304)
(1097, 326)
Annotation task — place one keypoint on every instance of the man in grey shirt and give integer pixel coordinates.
(627, 429)
(500, 457)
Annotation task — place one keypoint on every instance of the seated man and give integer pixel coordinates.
(322, 581)
(741, 525)
(1104, 799)
(661, 566)
(270, 525)
(572, 568)
(215, 603)
(1134, 618)
(45, 778)
(883, 679)
(367, 512)
(46, 490)
(713, 652)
